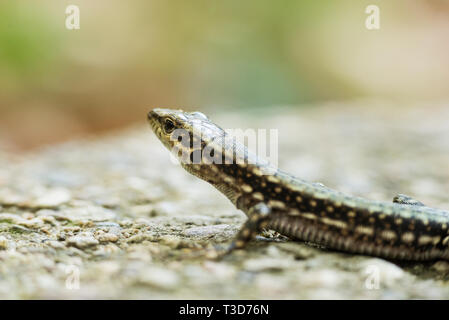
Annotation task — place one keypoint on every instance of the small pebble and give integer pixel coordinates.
(82, 241)
(107, 237)
(3, 243)
(139, 238)
(56, 244)
(170, 241)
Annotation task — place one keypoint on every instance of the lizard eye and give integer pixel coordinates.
(169, 126)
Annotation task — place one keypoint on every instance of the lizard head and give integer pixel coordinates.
(188, 135)
(203, 148)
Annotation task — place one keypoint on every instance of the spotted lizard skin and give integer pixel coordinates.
(404, 229)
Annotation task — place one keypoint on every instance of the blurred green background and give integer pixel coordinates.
(129, 56)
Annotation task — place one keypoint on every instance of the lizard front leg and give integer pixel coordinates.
(258, 216)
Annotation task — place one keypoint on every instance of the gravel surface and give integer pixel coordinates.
(112, 217)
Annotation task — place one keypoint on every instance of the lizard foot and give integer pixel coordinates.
(257, 220)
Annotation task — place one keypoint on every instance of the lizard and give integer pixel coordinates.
(404, 229)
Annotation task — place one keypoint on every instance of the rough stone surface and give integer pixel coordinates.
(114, 218)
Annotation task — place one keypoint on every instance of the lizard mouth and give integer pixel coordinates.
(152, 119)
